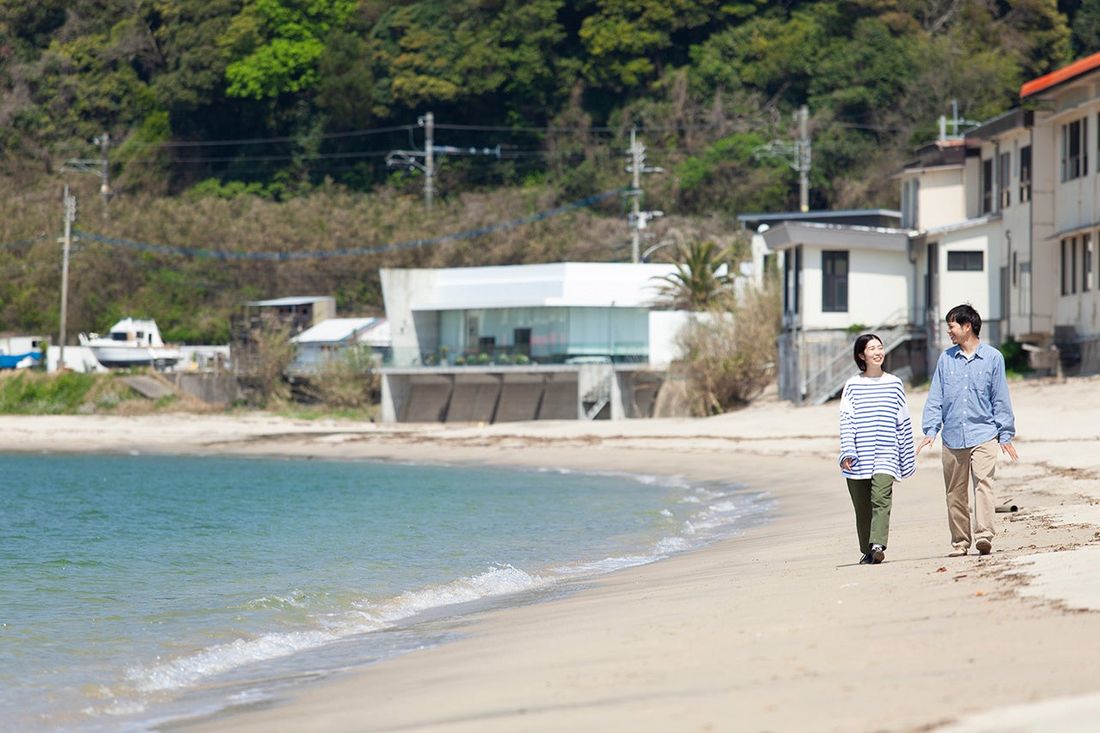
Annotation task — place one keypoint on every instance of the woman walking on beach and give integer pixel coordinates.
(876, 444)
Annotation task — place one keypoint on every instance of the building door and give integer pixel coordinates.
(932, 302)
(473, 332)
(521, 338)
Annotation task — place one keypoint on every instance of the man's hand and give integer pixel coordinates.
(846, 464)
(1010, 451)
(924, 443)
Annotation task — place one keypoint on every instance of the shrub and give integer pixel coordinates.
(728, 357)
(348, 380)
(270, 354)
(1016, 359)
(27, 393)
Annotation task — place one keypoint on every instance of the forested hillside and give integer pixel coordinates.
(264, 126)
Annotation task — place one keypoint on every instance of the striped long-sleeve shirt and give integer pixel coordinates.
(875, 430)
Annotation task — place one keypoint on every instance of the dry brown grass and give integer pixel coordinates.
(729, 356)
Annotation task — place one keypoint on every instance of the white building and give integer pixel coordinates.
(1005, 218)
(335, 336)
(548, 341)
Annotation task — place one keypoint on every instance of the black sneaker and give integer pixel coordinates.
(878, 554)
(865, 559)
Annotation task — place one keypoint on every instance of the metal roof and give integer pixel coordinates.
(789, 234)
(373, 331)
(1060, 76)
(292, 300)
(867, 217)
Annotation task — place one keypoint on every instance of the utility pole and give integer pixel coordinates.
(104, 141)
(428, 121)
(411, 159)
(638, 218)
(66, 245)
(804, 153)
(99, 166)
(798, 154)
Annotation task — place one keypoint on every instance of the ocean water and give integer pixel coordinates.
(138, 590)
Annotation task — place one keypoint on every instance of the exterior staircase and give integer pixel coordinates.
(827, 382)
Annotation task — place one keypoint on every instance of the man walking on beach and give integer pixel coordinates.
(968, 398)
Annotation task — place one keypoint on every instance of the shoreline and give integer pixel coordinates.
(774, 629)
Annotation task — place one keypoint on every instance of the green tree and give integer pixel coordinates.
(701, 279)
(1085, 25)
(275, 45)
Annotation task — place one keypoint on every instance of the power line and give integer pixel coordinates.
(23, 242)
(281, 139)
(264, 158)
(206, 253)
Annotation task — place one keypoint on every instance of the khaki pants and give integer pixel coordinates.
(979, 462)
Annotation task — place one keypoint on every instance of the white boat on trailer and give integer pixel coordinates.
(131, 342)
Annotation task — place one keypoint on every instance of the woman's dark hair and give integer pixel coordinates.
(860, 347)
(964, 314)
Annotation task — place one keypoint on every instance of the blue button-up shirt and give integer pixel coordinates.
(969, 399)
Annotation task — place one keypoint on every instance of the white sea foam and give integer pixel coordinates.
(668, 545)
(368, 616)
(498, 580)
(607, 565)
(220, 658)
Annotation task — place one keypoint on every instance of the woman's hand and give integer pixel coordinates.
(846, 464)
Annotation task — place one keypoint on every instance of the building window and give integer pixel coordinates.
(1065, 266)
(1086, 263)
(987, 186)
(1069, 265)
(966, 261)
(1004, 178)
(1025, 174)
(1075, 156)
(910, 191)
(834, 282)
(792, 280)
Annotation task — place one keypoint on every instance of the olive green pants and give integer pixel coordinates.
(872, 498)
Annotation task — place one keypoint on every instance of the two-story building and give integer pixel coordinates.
(563, 340)
(1005, 217)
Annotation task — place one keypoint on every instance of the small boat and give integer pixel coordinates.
(131, 342)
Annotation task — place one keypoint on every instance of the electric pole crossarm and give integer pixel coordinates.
(100, 166)
(798, 154)
(638, 219)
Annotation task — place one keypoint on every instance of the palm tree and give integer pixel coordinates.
(700, 280)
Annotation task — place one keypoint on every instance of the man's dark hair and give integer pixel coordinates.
(964, 314)
(860, 347)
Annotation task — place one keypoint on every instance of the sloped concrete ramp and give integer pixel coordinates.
(559, 400)
(474, 398)
(519, 399)
(149, 387)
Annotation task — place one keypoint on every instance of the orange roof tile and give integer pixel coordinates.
(1058, 76)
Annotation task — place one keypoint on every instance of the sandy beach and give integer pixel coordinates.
(777, 629)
